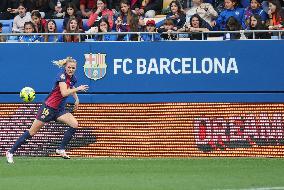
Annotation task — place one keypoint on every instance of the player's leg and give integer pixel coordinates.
(70, 120)
(36, 126)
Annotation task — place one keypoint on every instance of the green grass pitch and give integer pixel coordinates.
(30, 173)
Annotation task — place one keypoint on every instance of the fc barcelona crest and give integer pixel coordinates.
(95, 66)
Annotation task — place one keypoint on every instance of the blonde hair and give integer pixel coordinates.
(62, 62)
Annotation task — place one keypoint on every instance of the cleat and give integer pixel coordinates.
(9, 157)
(62, 153)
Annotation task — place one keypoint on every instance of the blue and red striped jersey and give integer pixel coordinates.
(55, 99)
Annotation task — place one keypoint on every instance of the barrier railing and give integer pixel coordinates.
(275, 34)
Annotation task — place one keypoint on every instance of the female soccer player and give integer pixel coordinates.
(53, 108)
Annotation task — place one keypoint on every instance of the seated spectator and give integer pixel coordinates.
(176, 14)
(276, 15)
(166, 29)
(255, 23)
(52, 28)
(150, 27)
(196, 26)
(104, 27)
(126, 22)
(2, 38)
(57, 9)
(86, 7)
(233, 25)
(72, 12)
(38, 22)
(101, 12)
(29, 28)
(21, 19)
(230, 10)
(255, 8)
(149, 8)
(204, 10)
(72, 27)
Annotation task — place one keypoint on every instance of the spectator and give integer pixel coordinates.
(38, 22)
(255, 8)
(195, 26)
(204, 10)
(21, 19)
(86, 7)
(150, 8)
(150, 27)
(127, 22)
(233, 24)
(166, 29)
(53, 4)
(52, 28)
(72, 12)
(276, 15)
(72, 27)
(105, 27)
(230, 10)
(255, 23)
(101, 12)
(57, 9)
(29, 28)
(176, 14)
(2, 38)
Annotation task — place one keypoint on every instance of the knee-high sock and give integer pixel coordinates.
(20, 141)
(67, 137)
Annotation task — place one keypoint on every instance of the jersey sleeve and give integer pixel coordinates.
(60, 78)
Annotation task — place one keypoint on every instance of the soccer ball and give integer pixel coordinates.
(27, 94)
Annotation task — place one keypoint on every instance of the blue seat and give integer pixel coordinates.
(7, 26)
(59, 25)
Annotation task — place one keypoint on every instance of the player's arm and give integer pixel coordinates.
(67, 91)
(76, 104)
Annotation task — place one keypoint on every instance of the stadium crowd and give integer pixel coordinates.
(190, 17)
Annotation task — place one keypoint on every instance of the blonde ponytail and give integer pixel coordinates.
(62, 62)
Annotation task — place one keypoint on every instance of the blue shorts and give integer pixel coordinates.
(47, 114)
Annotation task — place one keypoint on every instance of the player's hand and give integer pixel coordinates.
(83, 88)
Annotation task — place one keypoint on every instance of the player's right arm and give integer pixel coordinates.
(67, 91)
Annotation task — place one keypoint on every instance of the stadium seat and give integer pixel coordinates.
(85, 26)
(7, 26)
(59, 24)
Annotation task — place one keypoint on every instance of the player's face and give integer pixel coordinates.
(70, 68)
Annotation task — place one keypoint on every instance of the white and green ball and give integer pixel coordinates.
(27, 94)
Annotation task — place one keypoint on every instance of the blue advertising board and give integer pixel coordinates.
(173, 71)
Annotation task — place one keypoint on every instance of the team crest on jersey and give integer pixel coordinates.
(95, 66)
(62, 76)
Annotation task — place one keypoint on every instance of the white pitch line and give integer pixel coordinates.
(257, 188)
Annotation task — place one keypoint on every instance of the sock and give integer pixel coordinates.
(20, 141)
(67, 137)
